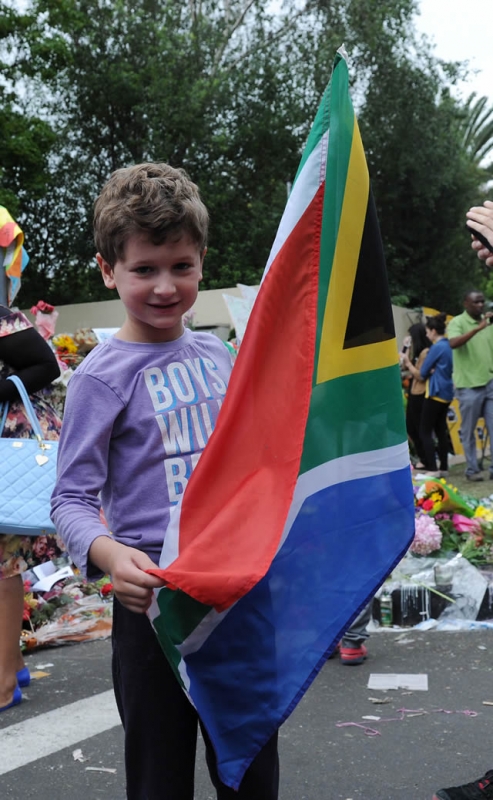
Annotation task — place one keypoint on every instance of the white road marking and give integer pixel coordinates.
(41, 736)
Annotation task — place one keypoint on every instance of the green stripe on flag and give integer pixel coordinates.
(340, 142)
(180, 615)
(347, 416)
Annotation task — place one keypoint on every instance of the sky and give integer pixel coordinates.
(462, 30)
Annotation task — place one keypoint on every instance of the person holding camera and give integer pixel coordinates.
(471, 340)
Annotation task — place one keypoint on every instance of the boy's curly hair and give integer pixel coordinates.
(152, 199)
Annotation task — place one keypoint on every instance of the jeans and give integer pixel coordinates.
(473, 404)
(357, 633)
(161, 724)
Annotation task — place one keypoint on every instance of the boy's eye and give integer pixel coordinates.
(142, 270)
(182, 265)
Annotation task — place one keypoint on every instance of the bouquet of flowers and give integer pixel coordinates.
(45, 317)
(448, 522)
(66, 349)
(437, 496)
(73, 610)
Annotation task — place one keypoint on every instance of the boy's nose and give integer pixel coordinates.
(164, 285)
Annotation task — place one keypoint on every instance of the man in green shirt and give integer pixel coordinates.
(471, 339)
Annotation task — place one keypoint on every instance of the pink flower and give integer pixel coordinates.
(42, 306)
(427, 536)
(465, 525)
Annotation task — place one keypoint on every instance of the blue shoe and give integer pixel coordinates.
(15, 700)
(24, 677)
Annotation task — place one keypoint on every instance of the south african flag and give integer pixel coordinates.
(302, 501)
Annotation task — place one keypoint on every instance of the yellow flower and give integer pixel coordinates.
(484, 513)
(29, 599)
(65, 342)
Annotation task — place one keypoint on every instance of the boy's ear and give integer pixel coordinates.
(202, 256)
(106, 272)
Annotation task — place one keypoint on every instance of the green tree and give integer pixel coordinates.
(478, 132)
(228, 89)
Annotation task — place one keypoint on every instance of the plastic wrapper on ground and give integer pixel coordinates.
(86, 619)
(447, 590)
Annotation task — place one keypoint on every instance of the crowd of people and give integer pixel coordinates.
(446, 361)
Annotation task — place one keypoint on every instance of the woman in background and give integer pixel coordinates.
(413, 361)
(436, 370)
(23, 352)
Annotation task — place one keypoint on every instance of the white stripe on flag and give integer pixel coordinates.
(302, 194)
(346, 468)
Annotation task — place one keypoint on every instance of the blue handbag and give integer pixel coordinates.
(27, 476)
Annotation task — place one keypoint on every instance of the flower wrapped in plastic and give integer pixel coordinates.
(85, 339)
(437, 496)
(45, 317)
(66, 349)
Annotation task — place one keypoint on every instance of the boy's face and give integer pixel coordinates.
(157, 284)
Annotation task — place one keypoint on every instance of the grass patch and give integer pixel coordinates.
(478, 490)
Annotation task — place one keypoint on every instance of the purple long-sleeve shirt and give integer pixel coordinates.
(137, 417)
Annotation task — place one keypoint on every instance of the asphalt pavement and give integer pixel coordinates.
(64, 741)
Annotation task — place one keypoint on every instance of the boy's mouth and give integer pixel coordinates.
(164, 305)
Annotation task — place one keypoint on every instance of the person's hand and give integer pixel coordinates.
(486, 321)
(405, 360)
(132, 585)
(480, 218)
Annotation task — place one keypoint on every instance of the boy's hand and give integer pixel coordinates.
(126, 565)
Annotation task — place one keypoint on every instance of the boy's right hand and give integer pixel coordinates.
(132, 585)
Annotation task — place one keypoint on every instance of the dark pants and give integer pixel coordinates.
(161, 724)
(434, 419)
(413, 423)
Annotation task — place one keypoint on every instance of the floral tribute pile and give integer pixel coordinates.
(448, 522)
(70, 349)
(72, 611)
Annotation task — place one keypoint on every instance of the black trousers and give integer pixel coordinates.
(413, 423)
(434, 419)
(161, 724)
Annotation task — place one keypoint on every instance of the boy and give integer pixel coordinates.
(139, 411)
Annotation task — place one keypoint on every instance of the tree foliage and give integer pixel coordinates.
(227, 89)
(478, 132)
